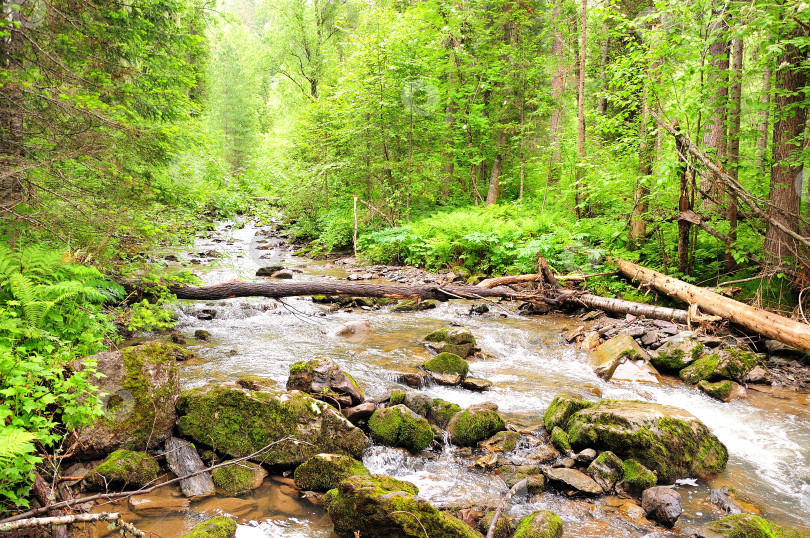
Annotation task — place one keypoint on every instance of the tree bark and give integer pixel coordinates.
(684, 205)
(183, 460)
(581, 187)
(557, 91)
(787, 166)
(764, 118)
(494, 179)
(714, 141)
(734, 113)
(11, 111)
(757, 320)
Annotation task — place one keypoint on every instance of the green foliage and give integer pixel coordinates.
(50, 315)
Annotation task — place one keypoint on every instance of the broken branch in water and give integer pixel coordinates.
(112, 518)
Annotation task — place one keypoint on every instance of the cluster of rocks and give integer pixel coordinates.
(409, 274)
(639, 350)
(322, 424)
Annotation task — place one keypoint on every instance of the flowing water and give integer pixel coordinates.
(767, 434)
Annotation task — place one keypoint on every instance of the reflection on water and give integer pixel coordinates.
(768, 436)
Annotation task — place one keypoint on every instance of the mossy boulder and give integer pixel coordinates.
(123, 468)
(409, 305)
(436, 410)
(677, 353)
(732, 363)
(399, 426)
(239, 422)
(606, 470)
(744, 526)
(456, 340)
(725, 390)
(137, 393)
(323, 472)
(238, 478)
(540, 524)
(607, 356)
(636, 477)
(479, 422)
(323, 379)
(668, 440)
(447, 368)
(560, 441)
(216, 527)
(441, 412)
(378, 506)
(561, 409)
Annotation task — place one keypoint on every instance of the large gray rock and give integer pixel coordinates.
(665, 439)
(322, 378)
(138, 391)
(731, 363)
(662, 504)
(607, 469)
(239, 422)
(608, 356)
(677, 353)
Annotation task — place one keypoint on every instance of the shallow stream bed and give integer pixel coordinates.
(767, 434)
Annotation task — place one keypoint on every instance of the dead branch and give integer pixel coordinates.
(113, 518)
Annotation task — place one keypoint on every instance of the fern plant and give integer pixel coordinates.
(50, 314)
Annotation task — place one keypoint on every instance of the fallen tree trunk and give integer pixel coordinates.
(760, 321)
(350, 289)
(615, 306)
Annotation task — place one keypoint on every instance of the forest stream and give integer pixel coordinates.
(767, 433)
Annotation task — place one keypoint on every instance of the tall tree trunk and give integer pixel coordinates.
(684, 206)
(601, 104)
(764, 117)
(450, 112)
(734, 113)
(581, 187)
(784, 196)
(11, 112)
(714, 140)
(557, 92)
(494, 180)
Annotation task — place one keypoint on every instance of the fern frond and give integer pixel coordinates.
(14, 442)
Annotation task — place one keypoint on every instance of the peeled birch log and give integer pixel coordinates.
(760, 321)
(615, 306)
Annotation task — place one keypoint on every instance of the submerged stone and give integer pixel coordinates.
(239, 422)
(216, 527)
(456, 340)
(668, 440)
(475, 424)
(744, 526)
(540, 524)
(381, 507)
(398, 426)
(123, 468)
(323, 472)
(238, 478)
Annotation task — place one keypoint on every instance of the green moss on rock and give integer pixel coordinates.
(504, 528)
(238, 423)
(745, 526)
(561, 409)
(216, 527)
(399, 426)
(721, 390)
(447, 363)
(606, 470)
(734, 364)
(456, 340)
(677, 354)
(441, 412)
(637, 477)
(540, 524)
(397, 397)
(412, 306)
(560, 441)
(668, 440)
(123, 468)
(475, 424)
(512, 474)
(238, 478)
(504, 441)
(323, 472)
(381, 507)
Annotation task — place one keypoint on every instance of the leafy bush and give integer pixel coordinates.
(50, 315)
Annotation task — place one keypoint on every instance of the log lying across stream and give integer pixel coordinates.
(768, 324)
